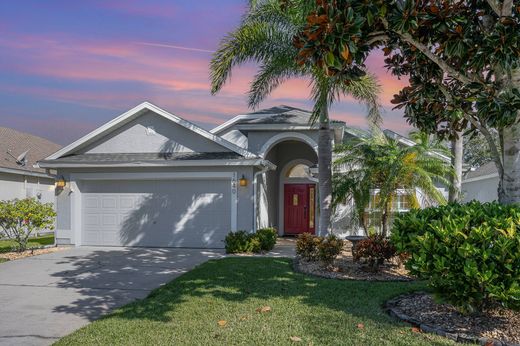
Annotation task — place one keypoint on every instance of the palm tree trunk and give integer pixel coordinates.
(325, 172)
(456, 161)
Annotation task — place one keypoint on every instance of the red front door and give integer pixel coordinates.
(299, 209)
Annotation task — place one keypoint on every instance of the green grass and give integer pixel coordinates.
(8, 245)
(319, 311)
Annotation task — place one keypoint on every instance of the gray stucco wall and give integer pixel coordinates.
(19, 186)
(65, 233)
(484, 190)
(11, 186)
(135, 137)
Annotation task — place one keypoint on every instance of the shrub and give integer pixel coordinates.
(375, 249)
(307, 246)
(237, 242)
(20, 217)
(329, 248)
(254, 244)
(267, 238)
(242, 241)
(470, 254)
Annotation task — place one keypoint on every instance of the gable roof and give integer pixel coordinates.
(16, 143)
(136, 112)
(487, 170)
(279, 115)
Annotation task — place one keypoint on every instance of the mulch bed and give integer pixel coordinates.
(344, 268)
(496, 326)
(31, 252)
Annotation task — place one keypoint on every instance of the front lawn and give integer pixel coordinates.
(187, 311)
(8, 245)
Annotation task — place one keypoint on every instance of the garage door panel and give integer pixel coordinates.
(92, 220)
(110, 237)
(174, 213)
(129, 202)
(110, 220)
(109, 202)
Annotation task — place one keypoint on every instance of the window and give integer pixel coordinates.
(298, 171)
(400, 204)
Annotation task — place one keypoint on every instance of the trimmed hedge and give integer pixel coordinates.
(470, 253)
(242, 242)
(267, 238)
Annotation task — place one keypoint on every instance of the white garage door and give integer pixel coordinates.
(169, 213)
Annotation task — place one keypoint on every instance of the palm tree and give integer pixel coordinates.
(265, 36)
(384, 164)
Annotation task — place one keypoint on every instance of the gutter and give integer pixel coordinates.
(27, 173)
(179, 163)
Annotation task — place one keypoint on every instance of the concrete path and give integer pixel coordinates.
(285, 247)
(43, 298)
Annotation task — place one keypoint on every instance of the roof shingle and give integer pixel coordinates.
(16, 142)
(119, 158)
(485, 169)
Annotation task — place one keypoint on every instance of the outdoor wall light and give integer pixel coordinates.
(60, 183)
(243, 181)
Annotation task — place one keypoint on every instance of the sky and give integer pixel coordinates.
(66, 67)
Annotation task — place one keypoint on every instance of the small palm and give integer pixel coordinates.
(392, 168)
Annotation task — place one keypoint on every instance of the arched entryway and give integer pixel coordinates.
(298, 202)
(292, 155)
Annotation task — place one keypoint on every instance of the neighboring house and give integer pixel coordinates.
(150, 178)
(481, 184)
(19, 152)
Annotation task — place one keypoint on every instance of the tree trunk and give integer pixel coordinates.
(456, 161)
(509, 186)
(325, 173)
(511, 153)
(384, 220)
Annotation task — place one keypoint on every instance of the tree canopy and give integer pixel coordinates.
(462, 58)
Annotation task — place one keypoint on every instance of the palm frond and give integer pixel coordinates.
(272, 74)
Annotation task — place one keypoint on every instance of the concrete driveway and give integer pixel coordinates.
(43, 298)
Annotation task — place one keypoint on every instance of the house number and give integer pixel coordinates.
(295, 200)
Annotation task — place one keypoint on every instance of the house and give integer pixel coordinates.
(481, 184)
(19, 152)
(151, 178)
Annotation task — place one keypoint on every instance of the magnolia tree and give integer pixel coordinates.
(20, 217)
(462, 57)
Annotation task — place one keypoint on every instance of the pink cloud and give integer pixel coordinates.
(176, 79)
(112, 100)
(108, 61)
(390, 84)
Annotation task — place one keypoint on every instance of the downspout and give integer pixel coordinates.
(255, 193)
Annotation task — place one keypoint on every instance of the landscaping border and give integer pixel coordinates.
(391, 308)
(296, 267)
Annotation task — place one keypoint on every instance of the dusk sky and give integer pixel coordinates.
(67, 67)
